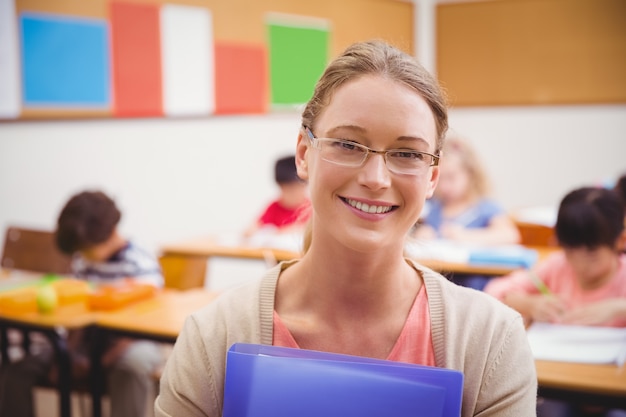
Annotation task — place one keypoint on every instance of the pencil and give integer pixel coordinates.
(541, 286)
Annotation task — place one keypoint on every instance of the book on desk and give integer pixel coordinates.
(578, 344)
(263, 381)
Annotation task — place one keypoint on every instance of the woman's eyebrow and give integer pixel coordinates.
(337, 130)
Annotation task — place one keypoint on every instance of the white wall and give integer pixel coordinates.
(182, 178)
(172, 178)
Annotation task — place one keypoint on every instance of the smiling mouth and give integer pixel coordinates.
(367, 208)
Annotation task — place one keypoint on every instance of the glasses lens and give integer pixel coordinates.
(408, 162)
(342, 152)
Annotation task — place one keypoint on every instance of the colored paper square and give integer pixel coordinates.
(187, 61)
(136, 45)
(298, 56)
(240, 78)
(65, 61)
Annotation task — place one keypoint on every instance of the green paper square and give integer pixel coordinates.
(298, 56)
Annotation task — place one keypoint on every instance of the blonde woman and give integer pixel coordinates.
(368, 147)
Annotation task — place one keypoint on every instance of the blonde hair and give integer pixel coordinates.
(457, 145)
(378, 58)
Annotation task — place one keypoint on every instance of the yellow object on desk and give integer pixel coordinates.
(19, 301)
(43, 295)
(111, 297)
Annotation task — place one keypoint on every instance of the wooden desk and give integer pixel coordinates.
(582, 383)
(53, 326)
(202, 249)
(160, 319)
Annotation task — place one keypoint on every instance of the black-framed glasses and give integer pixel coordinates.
(352, 154)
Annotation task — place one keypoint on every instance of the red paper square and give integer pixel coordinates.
(136, 45)
(241, 78)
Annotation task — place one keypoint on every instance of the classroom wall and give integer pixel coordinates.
(178, 178)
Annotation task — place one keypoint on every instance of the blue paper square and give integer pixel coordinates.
(65, 61)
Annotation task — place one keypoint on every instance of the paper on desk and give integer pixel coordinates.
(582, 344)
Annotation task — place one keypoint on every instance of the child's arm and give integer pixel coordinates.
(537, 307)
(597, 314)
(501, 230)
(521, 291)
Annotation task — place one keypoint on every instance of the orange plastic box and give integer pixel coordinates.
(19, 301)
(111, 297)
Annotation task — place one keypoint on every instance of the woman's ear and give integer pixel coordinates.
(302, 149)
(432, 181)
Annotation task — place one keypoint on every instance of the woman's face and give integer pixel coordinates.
(369, 206)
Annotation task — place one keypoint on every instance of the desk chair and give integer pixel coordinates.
(536, 234)
(33, 250)
(183, 272)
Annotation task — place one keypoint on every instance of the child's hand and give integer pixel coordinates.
(595, 314)
(547, 308)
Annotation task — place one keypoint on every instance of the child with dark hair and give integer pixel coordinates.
(585, 281)
(290, 210)
(87, 230)
(587, 278)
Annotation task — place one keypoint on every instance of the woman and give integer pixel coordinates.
(368, 150)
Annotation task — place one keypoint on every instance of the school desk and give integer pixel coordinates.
(162, 318)
(201, 249)
(53, 326)
(159, 318)
(603, 385)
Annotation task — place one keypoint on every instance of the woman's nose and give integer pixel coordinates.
(374, 172)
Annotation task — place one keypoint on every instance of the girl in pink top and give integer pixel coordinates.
(585, 283)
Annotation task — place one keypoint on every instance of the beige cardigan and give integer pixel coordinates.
(472, 332)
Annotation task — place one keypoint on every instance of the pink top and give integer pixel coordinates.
(559, 277)
(414, 345)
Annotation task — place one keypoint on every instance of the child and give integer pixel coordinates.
(587, 278)
(290, 211)
(585, 282)
(461, 210)
(87, 229)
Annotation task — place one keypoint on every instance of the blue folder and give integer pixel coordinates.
(269, 381)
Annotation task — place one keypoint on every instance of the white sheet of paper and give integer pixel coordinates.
(188, 61)
(10, 80)
(581, 344)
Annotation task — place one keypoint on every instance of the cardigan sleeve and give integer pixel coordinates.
(187, 385)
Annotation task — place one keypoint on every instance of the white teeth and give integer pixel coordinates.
(367, 208)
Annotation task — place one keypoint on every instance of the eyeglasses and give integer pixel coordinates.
(353, 154)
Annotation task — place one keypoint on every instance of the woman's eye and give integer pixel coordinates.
(418, 156)
(348, 146)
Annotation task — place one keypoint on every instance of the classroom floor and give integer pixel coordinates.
(47, 404)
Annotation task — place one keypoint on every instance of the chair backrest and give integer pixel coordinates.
(33, 250)
(183, 272)
(536, 234)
